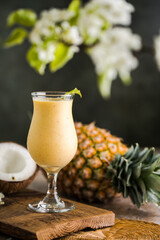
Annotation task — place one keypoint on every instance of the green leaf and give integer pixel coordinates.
(63, 54)
(74, 6)
(141, 155)
(33, 59)
(75, 91)
(148, 156)
(137, 171)
(120, 173)
(16, 37)
(118, 186)
(157, 172)
(25, 17)
(132, 196)
(125, 189)
(104, 85)
(122, 161)
(128, 177)
(152, 197)
(143, 152)
(126, 79)
(142, 187)
(138, 195)
(155, 158)
(129, 152)
(157, 194)
(88, 40)
(146, 170)
(106, 24)
(135, 152)
(153, 182)
(127, 164)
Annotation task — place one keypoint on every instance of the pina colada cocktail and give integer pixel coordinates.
(52, 142)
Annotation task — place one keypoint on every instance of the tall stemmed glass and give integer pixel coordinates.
(52, 143)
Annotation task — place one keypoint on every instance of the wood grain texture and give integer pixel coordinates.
(16, 220)
(122, 230)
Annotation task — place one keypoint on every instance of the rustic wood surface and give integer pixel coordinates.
(18, 221)
(123, 208)
(122, 230)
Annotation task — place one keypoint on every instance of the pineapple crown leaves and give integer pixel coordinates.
(136, 174)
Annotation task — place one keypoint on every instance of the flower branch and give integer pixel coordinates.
(100, 28)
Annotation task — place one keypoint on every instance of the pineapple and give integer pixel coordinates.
(103, 166)
(85, 175)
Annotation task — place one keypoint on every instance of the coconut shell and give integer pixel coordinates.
(12, 187)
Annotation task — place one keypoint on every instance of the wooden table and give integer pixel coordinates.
(123, 208)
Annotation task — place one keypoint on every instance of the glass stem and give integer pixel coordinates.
(52, 185)
(52, 198)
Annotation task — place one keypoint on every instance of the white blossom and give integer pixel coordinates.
(157, 50)
(98, 15)
(114, 11)
(46, 25)
(43, 28)
(57, 15)
(54, 23)
(72, 36)
(65, 25)
(90, 26)
(46, 54)
(119, 36)
(114, 54)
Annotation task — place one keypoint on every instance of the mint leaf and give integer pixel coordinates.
(74, 91)
(33, 59)
(25, 17)
(63, 54)
(16, 37)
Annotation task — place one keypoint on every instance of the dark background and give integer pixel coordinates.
(132, 112)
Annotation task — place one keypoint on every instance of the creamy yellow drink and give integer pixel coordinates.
(52, 143)
(52, 139)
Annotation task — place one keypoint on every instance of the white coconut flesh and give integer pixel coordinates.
(16, 163)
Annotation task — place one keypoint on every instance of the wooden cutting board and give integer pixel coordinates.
(17, 221)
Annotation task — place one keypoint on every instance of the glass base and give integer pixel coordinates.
(40, 207)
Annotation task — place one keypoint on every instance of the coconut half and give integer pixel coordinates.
(17, 168)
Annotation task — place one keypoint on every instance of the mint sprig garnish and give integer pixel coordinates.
(74, 91)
